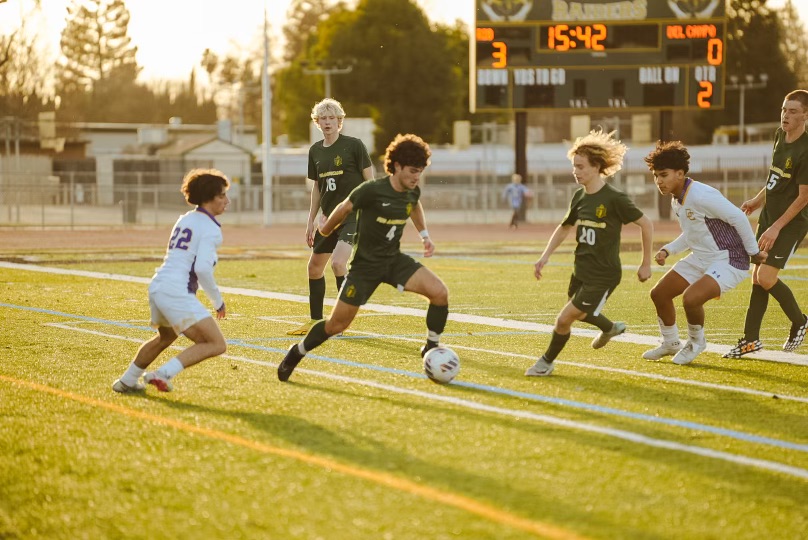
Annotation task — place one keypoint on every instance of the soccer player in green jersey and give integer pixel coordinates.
(337, 164)
(598, 212)
(781, 228)
(382, 208)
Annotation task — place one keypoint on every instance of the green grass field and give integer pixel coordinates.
(359, 444)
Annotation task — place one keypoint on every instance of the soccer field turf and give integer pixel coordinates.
(359, 444)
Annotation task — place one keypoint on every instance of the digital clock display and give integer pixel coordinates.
(597, 54)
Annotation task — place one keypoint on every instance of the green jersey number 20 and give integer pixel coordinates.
(587, 236)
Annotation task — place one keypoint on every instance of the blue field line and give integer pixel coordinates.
(738, 435)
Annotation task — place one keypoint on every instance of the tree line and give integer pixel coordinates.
(390, 63)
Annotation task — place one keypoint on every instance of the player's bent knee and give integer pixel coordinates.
(440, 296)
(339, 268)
(767, 282)
(690, 301)
(333, 327)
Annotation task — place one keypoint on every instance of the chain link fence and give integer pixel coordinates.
(76, 200)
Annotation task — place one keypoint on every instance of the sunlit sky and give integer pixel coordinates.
(172, 34)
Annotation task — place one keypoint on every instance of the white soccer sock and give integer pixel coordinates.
(670, 334)
(171, 368)
(132, 374)
(433, 336)
(695, 332)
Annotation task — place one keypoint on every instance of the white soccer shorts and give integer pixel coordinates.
(727, 276)
(179, 311)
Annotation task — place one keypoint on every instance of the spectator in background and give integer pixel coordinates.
(516, 193)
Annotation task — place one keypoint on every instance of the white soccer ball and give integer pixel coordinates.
(441, 365)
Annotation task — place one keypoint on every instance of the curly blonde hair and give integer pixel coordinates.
(601, 149)
(325, 107)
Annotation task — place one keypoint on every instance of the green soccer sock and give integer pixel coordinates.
(557, 343)
(758, 302)
(316, 297)
(316, 337)
(601, 321)
(785, 297)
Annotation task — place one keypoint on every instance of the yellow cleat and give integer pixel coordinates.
(303, 330)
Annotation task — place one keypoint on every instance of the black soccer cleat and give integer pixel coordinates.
(289, 363)
(428, 347)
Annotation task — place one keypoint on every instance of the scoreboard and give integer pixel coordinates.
(597, 55)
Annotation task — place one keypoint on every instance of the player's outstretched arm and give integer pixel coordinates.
(559, 235)
(328, 224)
(769, 236)
(647, 232)
(314, 207)
(754, 203)
(418, 218)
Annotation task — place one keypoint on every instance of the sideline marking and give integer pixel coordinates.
(248, 344)
(739, 435)
(612, 432)
(639, 339)
(456, 500)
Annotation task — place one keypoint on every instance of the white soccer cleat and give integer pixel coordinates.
(123, 388)
(666, 349)
(604, 337)
(542, 368)
(689, 352)
(158, 381)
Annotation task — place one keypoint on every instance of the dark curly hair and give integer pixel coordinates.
(202, 185)
(408, 151)
(669, 155)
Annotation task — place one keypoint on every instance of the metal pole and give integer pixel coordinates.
(266, 110)
(740, 121)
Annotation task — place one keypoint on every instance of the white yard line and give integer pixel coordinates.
(496, 322)
(626, 435)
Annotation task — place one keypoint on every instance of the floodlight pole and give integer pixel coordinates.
(266, 117)
(327, 71)
(749, 84)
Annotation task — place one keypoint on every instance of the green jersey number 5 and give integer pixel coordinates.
(773, 178)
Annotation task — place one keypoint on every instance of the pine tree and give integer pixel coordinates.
(95, 44)
(302, 18)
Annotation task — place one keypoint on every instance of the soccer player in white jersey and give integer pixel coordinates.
(189, 262)
(720, 240)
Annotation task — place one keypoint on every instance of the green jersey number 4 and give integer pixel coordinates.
(391, 233)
